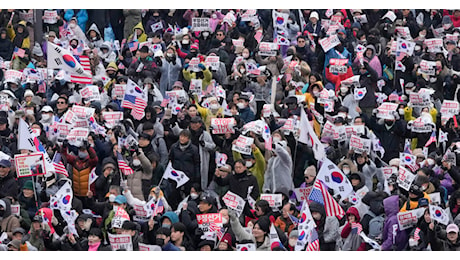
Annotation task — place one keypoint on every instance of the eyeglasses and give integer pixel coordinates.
(220, 34)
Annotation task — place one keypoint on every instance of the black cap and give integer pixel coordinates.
(144, 49)
(290, 100)
(207, 199)
(145, 136)
(245, 97)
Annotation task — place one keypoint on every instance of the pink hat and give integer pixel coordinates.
(194, 46)
(178, 84)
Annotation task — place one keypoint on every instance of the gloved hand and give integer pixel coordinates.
(124, 184)
(186, 66)
(201, 66)
(202, 143)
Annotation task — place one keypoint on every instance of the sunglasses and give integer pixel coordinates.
(61, 102)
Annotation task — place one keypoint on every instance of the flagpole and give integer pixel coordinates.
(218, 241)
(35, 192)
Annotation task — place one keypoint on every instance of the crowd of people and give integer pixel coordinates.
(378, 87)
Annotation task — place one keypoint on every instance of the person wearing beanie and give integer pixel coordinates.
(226, 243)
(309, 175)
(27, 200)
(260, 231)
(137, 72)
(416, 192)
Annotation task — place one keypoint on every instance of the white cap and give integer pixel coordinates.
(28, 93)
(314, 14)
(46, 109)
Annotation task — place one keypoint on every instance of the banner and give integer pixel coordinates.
(223, 125)
(329, 42)
(50, 17)
(32, 164)
(210, 224)
(434, 45)
(449, 107)
(302, 193)
(354, 130)
(405, 178)
(360, 145)
(419, 99)
(274, 200)
(112, 118)
(78, 135)
(91, 93)
(122, 241)
(388, 171)
(146, 247)
(405, 46)
(419, 125)
(362, 19)
(13, 76)
(427, 67)
(83, 112)
(200, 24)
(385, 111)
(212, 62)
(234, 202)
(409, 218)
(243, 145)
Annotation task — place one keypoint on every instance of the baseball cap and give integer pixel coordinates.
(46, 109)
(452, 228)
(120, 199)
(15, 243)
(5, 163)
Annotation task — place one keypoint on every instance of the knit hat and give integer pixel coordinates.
(15, 243)
(314, 15)
(264, 224)
(37, 50)
(28, 185)
(394, 162)
(294, 234)
(28, 93)
(194, 46)
(227, 238)
(178, 84)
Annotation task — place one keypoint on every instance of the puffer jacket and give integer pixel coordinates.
(97, 42)
(393, 238)
(8, 222)
(135, 179)
(81, 170)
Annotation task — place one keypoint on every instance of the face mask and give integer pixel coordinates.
(241, 105)
(276, 139)
(343, 89)
(446, 26)
(213, 16)
(185, 42)
(74, 46)
(205, 34)
(29, 112)
(159, 242)
(401, 111)
(136, 162)
(343, 115)
(224, 221)
(292, 242)
(214, 106)
(194, 196)
(242, 71)
(245, 55)
(248, 164)
(315, 93)
(82, 155)
(430, 161)
(170, 55)
(94, 38)
(433, 79)
(166, 225)
(408, 92)
(346, 170)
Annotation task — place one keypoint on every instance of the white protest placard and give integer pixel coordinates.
(254, 126)
(212, 62)
(449, 107)
(193, 64)
(13, 76)
(288, 125)
(452, 37)
(427, 67)
(119, 91)
(335, 19)
(388, 171)
(90, 93)
(360, 145)
(390, 15)
(146, 247)
(122, 241)
(221, 159)
(196, 86)
(112, 118)
(419, 99)
(32, 164)
(204, 221)
(323, 96)
(338, 66)
(405, 178)
(78, 135)
(302, 194)
(50, 17)
(274, 200)
(434, 44)
(419, 125)
(329, 42)
(362, 19)
(16, 210)
(354, 130)
(238, 43)
(404, 32)
(246, 16)
(339, 133)
(435, 198)
(234, 202)
(200, 24)
(223, 125)
(243, 145)
(83, 112)
(385, 110)
(27, 16)
(409, 218)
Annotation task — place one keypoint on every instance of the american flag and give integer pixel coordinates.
(158, 207)
(136, 99)
(356, 228)
(417, 234)
(432, 139)
(19, 52)
(59, 166)
(314, 241)
(213, 227)
(133, 45)
(320, 195)
(124, 167)
(84, 61)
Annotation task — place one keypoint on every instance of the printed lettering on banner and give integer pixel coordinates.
(246, 16)
(140, 211)
(288, 125)
(78, 135)
(340, 134)
(121, 241)
(420, 126)
(91, 93)
(354, 130)
(419, 99)
(200, 24)
(335, 19)
(428, 67)
(362, 19)
(212, 62)
(434, 44)
(405, 178)
(389, 170)
(112, 118)
(146, 247)
(243, 145)
(409, 218)
(50, 17)
(385, 110)
(223, 125)
(238, 43)
(274, 200)
(32, 164)
(449, 107)
(196, 86)
(234, 201)
(302, 193)
(329, 128)
(338, 66)
(27, 16)
(193, 64)
(452, 37)
(204, 221)
(323, 96)
(13, 76)
(83, 112)
(329, 42)
(403, 31)
(360, 145)
(16, 210)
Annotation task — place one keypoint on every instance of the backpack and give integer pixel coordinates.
(376, 225)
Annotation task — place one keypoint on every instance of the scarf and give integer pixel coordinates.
(94, 246)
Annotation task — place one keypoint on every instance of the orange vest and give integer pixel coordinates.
(80, 181)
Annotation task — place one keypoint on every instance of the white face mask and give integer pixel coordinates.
(343, 89)
(136, 162)
(214, 16)
(242, 71)
(241, 105)
(214, 106)
(169, 54)
(343, 115)
(433, 79)
(412, 242)
(194, 195)
(185, 41)
(276, 139)
(29, 112)
(205, 34)
(45, 117)
(115, 208)
(224, 221)
(315, 93)
(401, 111)
(346, 170)
(248, 164)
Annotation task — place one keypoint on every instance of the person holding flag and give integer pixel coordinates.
(351, 230)
(327, 227)
(143, 67)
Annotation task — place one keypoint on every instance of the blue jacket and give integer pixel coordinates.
(82, 17)
(170, 247)
(246, 115)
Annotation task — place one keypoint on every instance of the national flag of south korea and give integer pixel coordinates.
(60, 58)
(274, 238)
(92, 176)
(334, 178)
(308, 136)
(154, 207)
(408, 160)
(439, 214)
(305, 225)
(405, 46)
(432, 139)
(124, 167)
(136, 99)
(281, 40)
(156, 26)
(178, 176)
(442, 136)
(267, 137)
(62, 199)
(59, 166)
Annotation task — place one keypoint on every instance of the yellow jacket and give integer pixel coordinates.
(140, 38)
(258, 170)
(207, 114)
(409, 117)
(12, 34)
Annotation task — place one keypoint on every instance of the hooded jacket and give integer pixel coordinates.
(6, 46)
(258, 169)
(345, 234)
(108, 57)
(140, 38)
(21, 40)
(135, 179)
(170, 71)
(373, 61)
(97, 41)
(8, 222)
(187, 160)
(393, 238)
(81, 170)
(327, 228)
